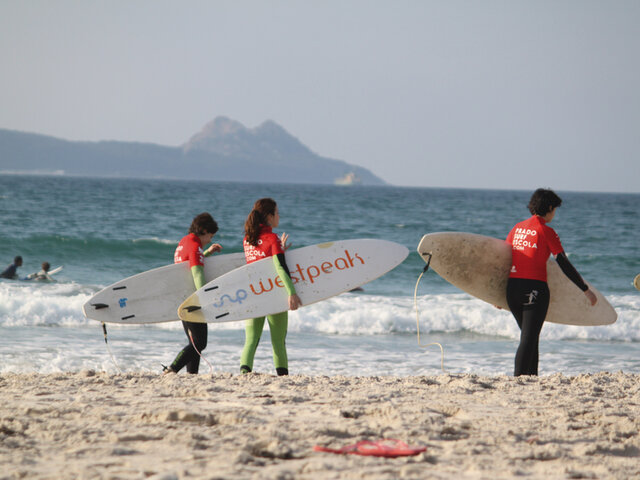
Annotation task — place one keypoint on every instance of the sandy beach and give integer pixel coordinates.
(139, 426)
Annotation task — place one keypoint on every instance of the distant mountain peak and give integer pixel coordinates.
(224, 149)
(226, 136)
(271, 127)
(216, 128)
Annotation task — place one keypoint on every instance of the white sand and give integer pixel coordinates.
(136, 426)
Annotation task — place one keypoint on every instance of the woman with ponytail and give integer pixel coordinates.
(260, 242)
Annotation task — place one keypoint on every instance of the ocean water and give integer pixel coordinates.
(102, 230)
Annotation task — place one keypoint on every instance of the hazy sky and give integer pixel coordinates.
(486, 94)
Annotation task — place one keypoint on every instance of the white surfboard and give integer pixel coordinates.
(154, 296)
(55, 270)
(32, 276)
(317, 271)
(480, 266)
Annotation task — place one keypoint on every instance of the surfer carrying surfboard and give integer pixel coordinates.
(43, 274)
(201, 232)
(260, 242)
(528, 296)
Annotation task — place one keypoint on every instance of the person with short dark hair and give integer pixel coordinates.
(11, 271)
(202, 229)
(532, 241)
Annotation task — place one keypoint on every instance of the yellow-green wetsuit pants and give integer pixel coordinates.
(278, 324)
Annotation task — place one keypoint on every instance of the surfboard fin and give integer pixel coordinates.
(98, 306)
(192, 308)
(428, 260)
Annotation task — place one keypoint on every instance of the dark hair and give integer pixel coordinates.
(46, 266)
(17, 259)
(203, 224)
(257, 217)
(543, 201)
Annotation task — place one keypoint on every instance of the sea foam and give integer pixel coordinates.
(60, 304)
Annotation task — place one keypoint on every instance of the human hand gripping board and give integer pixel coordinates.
(480, 266)
(154, 296)
(317, 271)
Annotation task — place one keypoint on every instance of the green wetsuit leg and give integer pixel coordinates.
(278, 325)
(252, 333)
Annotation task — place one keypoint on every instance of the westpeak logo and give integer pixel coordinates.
(310, 273)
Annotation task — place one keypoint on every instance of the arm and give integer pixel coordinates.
(213, 248)
(197, 271)
(283, 272)
(570, 271)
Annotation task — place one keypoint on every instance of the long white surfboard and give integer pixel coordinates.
(480, 266)
(154, 296)
(32, 276)
(317, 271)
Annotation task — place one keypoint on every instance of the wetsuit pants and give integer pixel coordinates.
(528, 301)
(188, 356)
(278, 324)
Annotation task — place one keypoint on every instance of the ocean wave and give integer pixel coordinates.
(162, 241)
(24, 304)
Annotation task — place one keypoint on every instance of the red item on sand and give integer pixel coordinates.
(381, 448)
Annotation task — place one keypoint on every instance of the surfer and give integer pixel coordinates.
(203, 228)
(260, 242)
(43, 274)
(11, 271)
(532, 242)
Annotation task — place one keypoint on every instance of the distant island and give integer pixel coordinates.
(223, 150)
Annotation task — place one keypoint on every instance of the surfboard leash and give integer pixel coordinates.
(415, 304)
(104, 331)
(193, 344)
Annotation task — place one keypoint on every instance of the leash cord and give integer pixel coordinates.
(198, 352)
(415, 304)
(104, 331)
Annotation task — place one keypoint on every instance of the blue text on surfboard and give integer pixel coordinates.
(241, 295)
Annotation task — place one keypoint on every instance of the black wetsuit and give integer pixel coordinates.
(528, 296)
(188, 356)
(10, 272)
(190, 250)
(529, 301)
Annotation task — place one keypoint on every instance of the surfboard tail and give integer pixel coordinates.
(191, 311)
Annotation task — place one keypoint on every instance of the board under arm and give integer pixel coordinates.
(283, 272)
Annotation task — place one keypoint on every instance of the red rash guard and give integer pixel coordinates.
(532, 242)
(268, 246)
(189, 250)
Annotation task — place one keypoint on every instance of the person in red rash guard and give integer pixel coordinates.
(260, 242)
(203, 228)
(532, 241)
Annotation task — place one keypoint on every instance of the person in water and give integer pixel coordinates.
(203, 228)
(43, 274)
(11, 271)
(260, 242)
(532, 241)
